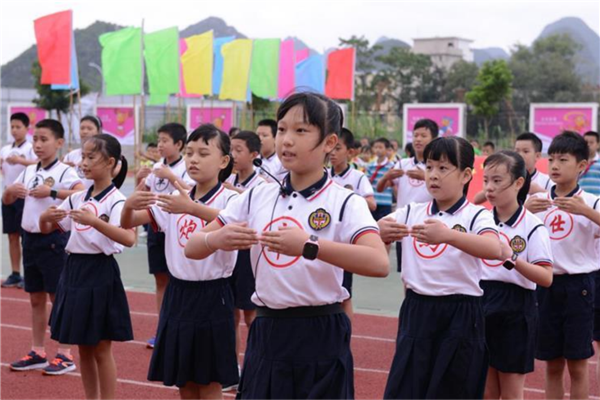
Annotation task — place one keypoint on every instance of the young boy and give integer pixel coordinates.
(408, 175)
(375, 171)
(14, 158)
(161, 180)
(566, 309)
(266, 131)
(590, 179)
(529, 146)
(151, 155)
(42, 186)
(488, 148)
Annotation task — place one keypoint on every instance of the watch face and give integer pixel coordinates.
(508, 264)
(310, 251)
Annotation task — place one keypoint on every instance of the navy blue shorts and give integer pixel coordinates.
(347, 282)
(11, 216)
(511, 319)
(195, 340)
(381, 211)
(242, 282)
(440, 349)
(566, 318)
(157, 261)
(298, 358)
(597, 307)
(44, 258)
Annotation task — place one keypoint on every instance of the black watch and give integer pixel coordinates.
(53, 194)
(511, 262)
(311, 248)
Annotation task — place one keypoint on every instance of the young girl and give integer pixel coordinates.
(440, 349)
(91, 307)
(195, 342)
(88, 126)
(311, 230)
(509, 283)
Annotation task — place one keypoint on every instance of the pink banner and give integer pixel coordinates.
(119, 122)
(547, 122)
(221, 117)
(35, 115)
(449, 119)
(286, 69)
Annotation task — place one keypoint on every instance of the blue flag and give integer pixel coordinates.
(218, 62)
(310, 74)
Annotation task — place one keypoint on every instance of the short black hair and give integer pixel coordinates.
(177, 132)
(271, 123)
(207, 132)
(233, 130)
(457, 150)
(409, 149)
(356, 145)
(347, 137)
(151, 144)
(20, 116)
(570, 143)
(532, 137)
(383, 140)
(94, 120)
(491, 144)
(250, 138)
(428, 124)
(594, 134)
(55, 127)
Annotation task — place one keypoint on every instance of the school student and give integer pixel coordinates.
(440, 349)
(91, 307)
(509, 300)
(161, 179)
(14, 158)
(488, 149)
(267, 132)
(590, 179)
(408, 175)
(375, 172)
(42, 185)
(567, 307)
(195, 343)
(88, 126)
(529, 146)
(311, 230)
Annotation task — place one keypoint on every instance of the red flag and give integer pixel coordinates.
(340, 74)
(53, 35)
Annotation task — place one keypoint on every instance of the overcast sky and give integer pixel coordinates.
(490, 23)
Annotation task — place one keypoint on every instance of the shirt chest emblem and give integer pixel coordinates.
(319, 219)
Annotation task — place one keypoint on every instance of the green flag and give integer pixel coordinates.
(122, 61)
(161, 52)
(264, 71)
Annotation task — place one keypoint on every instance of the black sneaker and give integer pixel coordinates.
(12, 281)
(31, 361)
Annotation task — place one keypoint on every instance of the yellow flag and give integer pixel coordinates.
(197, 64)
(236, 69)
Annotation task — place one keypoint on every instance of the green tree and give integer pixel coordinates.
(459, 80)
(365, 65)
(493, 86)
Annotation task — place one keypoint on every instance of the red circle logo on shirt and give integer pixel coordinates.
(415, 182)
(275, 259)
(186, 226)
(497, 263)
(559, 224)
(91, 207)
(429, 251)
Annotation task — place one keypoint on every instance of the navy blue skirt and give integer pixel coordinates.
(511, 319)
(298, 358)
(195, 341)
(440, 349)
(242, 282)
(90, 303)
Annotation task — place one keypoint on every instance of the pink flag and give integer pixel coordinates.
(287, 65)
(302, 55)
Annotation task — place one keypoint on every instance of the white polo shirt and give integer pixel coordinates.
(57, 176)
(84, 239)
(178, 229)
(164, 186)
(75, 158)
(253, 180)
(441, 270)
(324, 209)
(11, 172)
(274, 166)
(409, 190)
(542, 180)
(354, 180)
(573, 237)
(527, 236)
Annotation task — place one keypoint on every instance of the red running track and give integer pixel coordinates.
(372, 345)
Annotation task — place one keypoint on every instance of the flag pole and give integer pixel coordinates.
(70, 119)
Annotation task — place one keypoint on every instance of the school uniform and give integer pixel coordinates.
(75, 158)
(43, 254)
(509, 299)
(157, 263)
(440, 348)
(242, 280)
(356, 181)
(409, 190)
(567, 307)
(376, 171)
(299, 344)
(541, 180)
(91, 304)
(195, 339)
(13, 213)
(274, 166)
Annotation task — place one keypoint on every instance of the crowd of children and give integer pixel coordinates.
(269, 227)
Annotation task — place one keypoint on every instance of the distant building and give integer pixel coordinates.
(444, 51)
